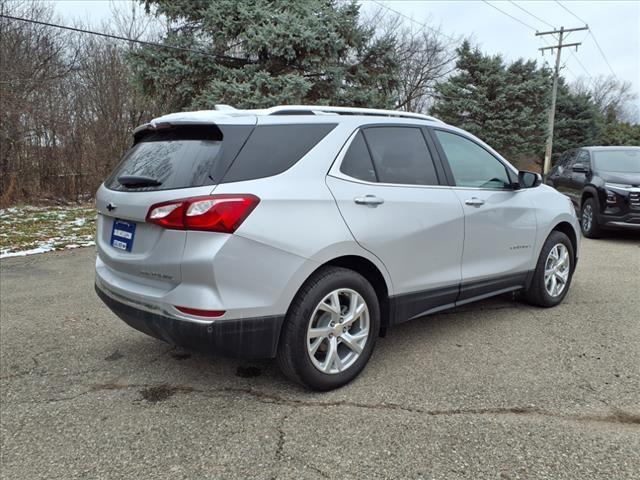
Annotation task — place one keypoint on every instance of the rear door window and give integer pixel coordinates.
(357, 161)
(272, 149)
(400, 155)
(178, 157)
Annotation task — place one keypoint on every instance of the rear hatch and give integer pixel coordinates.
(168, 161)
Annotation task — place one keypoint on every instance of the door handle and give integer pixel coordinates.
(474, 201)
(370, 200)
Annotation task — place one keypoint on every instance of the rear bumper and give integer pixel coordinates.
(240, 338)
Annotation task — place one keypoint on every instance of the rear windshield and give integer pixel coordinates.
(178, 157)
(623, 161)
(197, 155)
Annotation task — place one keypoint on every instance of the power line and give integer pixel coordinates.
(571, 13)
(602, 53)
(531, 14)
(511, 16)
(592, 35)
(570, 51)
(117, 37)
(411, 19)
(565, 66)
(580, 63)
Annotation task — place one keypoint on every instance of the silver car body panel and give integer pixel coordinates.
(421, 238)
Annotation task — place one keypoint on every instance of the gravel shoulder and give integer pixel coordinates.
(492, 390)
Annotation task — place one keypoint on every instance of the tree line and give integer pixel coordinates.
(507, 106)
(70, 101)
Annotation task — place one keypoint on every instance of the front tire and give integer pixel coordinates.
(553, 273)
(589, 219)
(330, 329)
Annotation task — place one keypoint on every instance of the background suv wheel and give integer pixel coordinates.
(330, 329)
(589, 219)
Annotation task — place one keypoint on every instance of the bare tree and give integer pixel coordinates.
(615, 98)
(426, 56)
(68, 104)
(34, 60)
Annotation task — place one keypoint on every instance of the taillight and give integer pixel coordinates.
(214, 213)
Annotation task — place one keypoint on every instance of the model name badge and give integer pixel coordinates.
(156, 275)
(519, 247)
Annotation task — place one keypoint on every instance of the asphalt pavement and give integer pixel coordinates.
(497, 390)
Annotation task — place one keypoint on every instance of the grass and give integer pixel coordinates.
(30, 229)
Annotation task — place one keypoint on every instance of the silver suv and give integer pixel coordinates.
(304, 232)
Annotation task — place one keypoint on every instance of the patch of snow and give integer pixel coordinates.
(79, 245)
(32, 251)
(79, 222)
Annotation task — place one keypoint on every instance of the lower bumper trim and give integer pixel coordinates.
(242, 338)
(613, 224)
(629, 220)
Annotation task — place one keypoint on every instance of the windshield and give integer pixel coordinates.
(622, 161)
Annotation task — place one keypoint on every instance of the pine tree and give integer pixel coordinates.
(503, 105)
(272, 52)
(578, 121)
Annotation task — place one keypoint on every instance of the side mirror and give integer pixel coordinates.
(580, 168)
(529, 179)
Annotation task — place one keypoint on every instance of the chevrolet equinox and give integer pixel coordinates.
(303, 232)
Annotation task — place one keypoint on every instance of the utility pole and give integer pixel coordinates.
(552, 111)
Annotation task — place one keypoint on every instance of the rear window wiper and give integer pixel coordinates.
(133, 181)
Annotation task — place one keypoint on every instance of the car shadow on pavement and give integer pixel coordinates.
(179, 366)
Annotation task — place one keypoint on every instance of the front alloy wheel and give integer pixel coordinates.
(552, 277)
(557, 269)
(338, 331)
(589, 220)
(587, 217)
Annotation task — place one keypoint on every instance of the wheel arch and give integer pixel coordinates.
(569, 231)
(371, 272)
(588, 192)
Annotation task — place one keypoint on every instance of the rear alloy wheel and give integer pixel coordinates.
(338, 331)
(330, 329)
(553, 273)
(588, 219)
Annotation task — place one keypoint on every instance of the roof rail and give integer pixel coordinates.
(328, 110)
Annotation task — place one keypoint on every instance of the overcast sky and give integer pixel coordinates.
(614, 23)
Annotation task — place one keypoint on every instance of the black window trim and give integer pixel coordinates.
(335, 169)
(449, 173)
(350, 140)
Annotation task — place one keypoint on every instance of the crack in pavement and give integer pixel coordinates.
(281, 438)
(614, 416)
(97, 368)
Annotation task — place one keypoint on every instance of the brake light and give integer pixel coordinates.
(213, 213)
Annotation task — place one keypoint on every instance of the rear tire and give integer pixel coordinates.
(552, 276)
(324, 342)
(589, 219)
